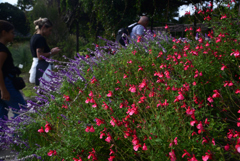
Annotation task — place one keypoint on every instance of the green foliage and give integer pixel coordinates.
(175, 102)
(22, 55)
(60, 34)
(14, 15)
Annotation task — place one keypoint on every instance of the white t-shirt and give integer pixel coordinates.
(137, 30)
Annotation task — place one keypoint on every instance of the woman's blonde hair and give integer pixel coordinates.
(39, 23)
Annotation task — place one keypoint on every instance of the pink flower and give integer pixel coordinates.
(91, 94)
(216, 94)
(172, 155)
(99, 121)
(237, 91)
(133, 89)
(180, 96)
(111, 152)
(92, 129)
(207, 44)
(235, 53)
(200, 127)
(192, 123)
(41, 130)
(213, 141)
(129, 62)
(210, 99)
(175, 141)
(205, 158)
(67, 98)
(237, 147)
(186, 153)
(166, 27)
(87, 129)
(223, 16)
(194, 83)
(87, 100)
(144, 147)
(109, 138)
(135, 147)
(105, 106)
(226, 147)
(208, 18)
(102, 134)
(193, 158)
(110, 94)
(94, 105)
(218, 39)
(47, 128)
(200, 40)
(111, 158)
(140, 68)
(206, 121)
(187, 12)
(204, 140)
(64, 106)
(223, 67)
(52, 152)
(190, 111)
(125, 76)
(199, 29)
(92, 154)
(74, 159)
(139, 39)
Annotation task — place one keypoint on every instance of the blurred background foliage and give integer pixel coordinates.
(78, 23)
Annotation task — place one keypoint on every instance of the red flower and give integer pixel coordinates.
(64, 106)
(41, 130)
(109, 138)
(135, 147)
(111, 158)
(199, 29)
(67, 98)
(186, 153)
(47, 128)
(210, 99)
(110, 94)
(52, 152)
(226, 147)
(166, 27)
(132, 89)
(223, 16)
(223, 67)
(99, 121)
(144, 147)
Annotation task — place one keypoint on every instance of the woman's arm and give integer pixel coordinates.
(40, 52)
(4, 92)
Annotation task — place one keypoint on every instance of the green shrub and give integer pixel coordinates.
(158, 99)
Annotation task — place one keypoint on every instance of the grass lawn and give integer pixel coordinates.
(28, 91)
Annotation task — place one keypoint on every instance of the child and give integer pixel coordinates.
(9, 95)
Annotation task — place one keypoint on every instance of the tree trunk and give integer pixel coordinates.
(238, 7)
(77, 34)
(152, 24)
(194, 25)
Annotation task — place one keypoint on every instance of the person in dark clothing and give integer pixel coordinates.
(39, 48)
(9, 96)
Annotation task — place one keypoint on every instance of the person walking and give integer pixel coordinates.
(39, 48)
(10, 96)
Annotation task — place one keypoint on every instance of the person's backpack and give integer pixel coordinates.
(121, 37)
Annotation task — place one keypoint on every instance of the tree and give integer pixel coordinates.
(25, 5)
(14, 15)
